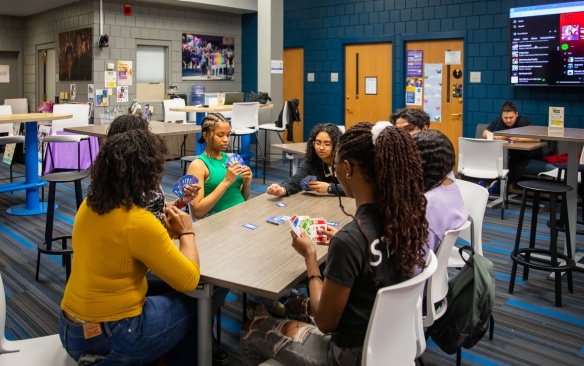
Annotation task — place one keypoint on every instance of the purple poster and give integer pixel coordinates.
(414, 63)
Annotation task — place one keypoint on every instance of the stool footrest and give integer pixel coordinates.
(56, 250)
(570, 263)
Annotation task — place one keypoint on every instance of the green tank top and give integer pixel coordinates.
(217, 171)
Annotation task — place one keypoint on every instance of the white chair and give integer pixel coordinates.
(394, 331)
(437, 288)
(271, 127)
(46, 350)
(9, 129)
(19, 105)
(170, 116)
(483, 159)
(475, 200)
(80, 113)
(244, 121)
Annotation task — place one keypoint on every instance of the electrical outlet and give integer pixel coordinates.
(151, 109)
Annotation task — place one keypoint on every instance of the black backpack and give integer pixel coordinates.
(471, 299)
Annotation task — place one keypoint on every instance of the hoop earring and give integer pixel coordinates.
(347, 176)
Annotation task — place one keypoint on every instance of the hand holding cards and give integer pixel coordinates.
(235, 158)
(179, 186)
(305, 180)
(310, 226)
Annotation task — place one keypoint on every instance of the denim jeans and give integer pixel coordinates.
(167, 327)
(309, 347)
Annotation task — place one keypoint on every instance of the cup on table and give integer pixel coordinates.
(490, 135)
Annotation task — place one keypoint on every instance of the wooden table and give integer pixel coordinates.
(261, 261)
(297, 149)
(158, 128)
(32, 181)
(574, 137)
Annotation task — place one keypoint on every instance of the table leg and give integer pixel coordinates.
(203, 293)
(572, 179)
(32, 180)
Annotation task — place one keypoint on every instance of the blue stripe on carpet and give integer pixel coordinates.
(17, 237)
(508, 278)
(496, 250)
(545, 311)
(64, 218)
(465, 355)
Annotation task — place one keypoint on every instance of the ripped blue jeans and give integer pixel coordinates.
(309, 347)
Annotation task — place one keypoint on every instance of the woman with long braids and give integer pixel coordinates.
(129, 122)
(445, 209)
(224, 186)
(106, 309)
(380, 167)
(319, 155)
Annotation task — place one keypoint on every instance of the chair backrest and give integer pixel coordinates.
(6, 127)
(342, 128)
(391, 333)
(475, 200)
(3, 341)
(80, 117)
(481, 127)
(480, 158)
(245, 115)
(438, 284)
(19, 105)
(170, 116)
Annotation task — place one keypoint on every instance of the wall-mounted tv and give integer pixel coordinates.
(547, 44)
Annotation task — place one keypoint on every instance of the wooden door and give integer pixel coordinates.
(450, 121)
(368, 69)
(294, 86)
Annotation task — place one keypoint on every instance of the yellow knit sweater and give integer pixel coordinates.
(112, 253)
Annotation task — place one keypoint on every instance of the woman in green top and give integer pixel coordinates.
(224, 186)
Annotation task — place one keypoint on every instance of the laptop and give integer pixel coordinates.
(231, 98)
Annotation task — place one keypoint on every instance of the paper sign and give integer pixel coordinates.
(556, 119)
(277, 66)
(110, 79)
(4, 73)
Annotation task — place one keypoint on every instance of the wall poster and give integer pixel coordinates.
(433, 91)
(207, 57)
(125, 72)
(75, 55)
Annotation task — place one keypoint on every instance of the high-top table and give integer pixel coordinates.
(158, 128)
(297, 149)
(32, 182)
(261, 261)
(574, 137)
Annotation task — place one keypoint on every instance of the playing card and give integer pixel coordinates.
(281, 204)
(278, 220)
(178, 190)
(250, 226)
(241, 161)
(304, 183)
(188, 180)
(232, 158)
(333, 223)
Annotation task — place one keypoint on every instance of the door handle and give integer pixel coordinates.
(348, 109)
(456, 114)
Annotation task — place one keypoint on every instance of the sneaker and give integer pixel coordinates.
(494, 188)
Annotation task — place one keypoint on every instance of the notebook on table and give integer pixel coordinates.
(231, 98)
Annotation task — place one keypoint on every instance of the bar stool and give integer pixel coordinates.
(554, 189)
(562, 177)
(47, 247)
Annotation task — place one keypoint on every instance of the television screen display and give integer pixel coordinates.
(547, 44)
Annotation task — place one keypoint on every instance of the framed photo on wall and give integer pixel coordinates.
(75, 55)
(207, 57)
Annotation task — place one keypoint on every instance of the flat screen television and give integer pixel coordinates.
(547, 45)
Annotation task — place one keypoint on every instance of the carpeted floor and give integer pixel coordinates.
(529, 330)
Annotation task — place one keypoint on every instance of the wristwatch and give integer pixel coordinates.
(330, 188)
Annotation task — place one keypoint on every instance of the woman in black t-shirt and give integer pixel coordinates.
(380, 167)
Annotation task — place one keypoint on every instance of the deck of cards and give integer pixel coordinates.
(235, 158)
(179, 186)
(310, 227)
(305, 180)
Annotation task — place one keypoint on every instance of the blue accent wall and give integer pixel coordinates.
(249, 52)
(323, 27)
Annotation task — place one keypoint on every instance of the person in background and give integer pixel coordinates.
(445, 208)
(518, 160)
(106, 309)
(379, 166)
(412, 120)
(319, 155)
(128, 122)
(223, 187)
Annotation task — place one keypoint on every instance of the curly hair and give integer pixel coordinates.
(394, 166)
(415, 117)
(126, 171)
(127, 122)
(333, 131)
(437, 155)
(208, 124)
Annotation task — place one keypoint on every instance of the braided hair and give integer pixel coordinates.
(125, 123)
(127, 170)
(437, 155)
(393, 165)
(208, 124)
(333, 131)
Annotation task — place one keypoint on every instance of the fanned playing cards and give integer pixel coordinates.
(235, 158)
(179, 186)
(305, 180)
(310, 227)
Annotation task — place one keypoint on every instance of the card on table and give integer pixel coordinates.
(281, 204)
(278, 220)
(250, 226)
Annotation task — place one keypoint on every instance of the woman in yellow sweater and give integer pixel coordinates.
(106, 312)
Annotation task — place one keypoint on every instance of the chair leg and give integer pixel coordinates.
(90, 152)
(491, 327)
(265, 157)
(79, 156)
(218, 329)
(517, 241)
(564, 208)
(244, 299)
(458, 357)
(532, 232)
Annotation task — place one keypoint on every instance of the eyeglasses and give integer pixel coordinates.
(318, 143)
